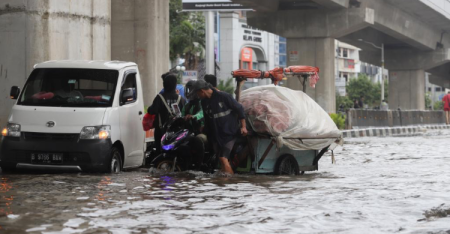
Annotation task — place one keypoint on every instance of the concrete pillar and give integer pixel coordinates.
(407, 89)
(140, 33)
(209, 50)
(229, 41)
(317, 52)
(34, 31)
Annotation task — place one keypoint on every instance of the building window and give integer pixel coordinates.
(245, 65)
(255, 66)
(438, 89)
(282, 48)
(429, 89)
(345, 76)
(345, 53)
(283, 61)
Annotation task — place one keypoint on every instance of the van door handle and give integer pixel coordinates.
(140, 112)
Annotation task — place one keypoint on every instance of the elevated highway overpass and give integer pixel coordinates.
(416, 35)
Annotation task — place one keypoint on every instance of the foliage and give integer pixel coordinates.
(343, 103)
(187, 34)
(362, 86)
(339, 120)
(427, 101)
(439, 105)
(226, 86)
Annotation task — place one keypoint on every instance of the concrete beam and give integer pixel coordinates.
(380, 15)
(441, 81)
(331, 4)
(399, 24)
(312, 23)
(405, 59)
(260, 5)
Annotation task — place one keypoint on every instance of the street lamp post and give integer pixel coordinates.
(180, 70)
(382, 64)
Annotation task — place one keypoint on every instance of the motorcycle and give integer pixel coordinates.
(179, 147)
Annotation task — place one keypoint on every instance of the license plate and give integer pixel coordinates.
(46, 158)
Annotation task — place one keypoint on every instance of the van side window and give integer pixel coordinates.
(129, 83)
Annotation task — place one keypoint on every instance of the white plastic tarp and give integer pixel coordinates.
(291, 117)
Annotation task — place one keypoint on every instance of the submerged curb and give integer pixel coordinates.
(375, 132)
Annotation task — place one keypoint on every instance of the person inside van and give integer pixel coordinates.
(67, 90)
(162, 107)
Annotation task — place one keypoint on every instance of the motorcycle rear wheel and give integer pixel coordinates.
(167, 166)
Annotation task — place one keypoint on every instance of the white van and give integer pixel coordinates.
(76, 115)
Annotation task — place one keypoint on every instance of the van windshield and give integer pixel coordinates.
(68, 87)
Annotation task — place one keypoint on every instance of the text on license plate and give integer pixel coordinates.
(46, 157)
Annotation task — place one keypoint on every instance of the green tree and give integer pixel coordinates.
(226, 86)
(427, 101)
(378, 92)
(343, 102)
(362, 86)
(339, 120)
(439, 105)
(187, 34)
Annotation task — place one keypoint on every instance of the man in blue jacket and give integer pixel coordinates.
(222, 115)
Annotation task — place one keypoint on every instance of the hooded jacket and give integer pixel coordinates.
(171, 97)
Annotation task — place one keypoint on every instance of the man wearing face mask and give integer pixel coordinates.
(222, 115)
(162, 107)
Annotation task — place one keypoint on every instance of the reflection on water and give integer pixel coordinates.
(371, 189)
(6, 200)
(104, 182)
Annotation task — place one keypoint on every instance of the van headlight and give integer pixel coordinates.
(96, 133)
(11, 130)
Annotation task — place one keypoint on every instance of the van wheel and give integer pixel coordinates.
(286, 165)
(114, 164)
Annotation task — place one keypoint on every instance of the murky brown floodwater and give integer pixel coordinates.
(379, 185)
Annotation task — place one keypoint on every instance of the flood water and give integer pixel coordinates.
(378, 185)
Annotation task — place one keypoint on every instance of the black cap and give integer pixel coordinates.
(200, 84)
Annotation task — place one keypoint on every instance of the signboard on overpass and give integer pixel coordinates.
(213, 5)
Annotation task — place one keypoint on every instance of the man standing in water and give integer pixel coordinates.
(222, 115)
(446, 100)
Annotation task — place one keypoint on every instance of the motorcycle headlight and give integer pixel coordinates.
(11, 130)
(96, 133)
(168, 147)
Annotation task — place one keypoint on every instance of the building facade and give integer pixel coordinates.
(347, 65)
(240, 46)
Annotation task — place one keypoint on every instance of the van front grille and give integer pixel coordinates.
(50, 136)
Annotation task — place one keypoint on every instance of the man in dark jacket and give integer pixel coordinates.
(222, 115)
(159, 109)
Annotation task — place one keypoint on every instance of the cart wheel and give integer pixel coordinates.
(286, 165)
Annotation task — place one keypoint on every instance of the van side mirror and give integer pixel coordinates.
(127, 96)
(14, 93)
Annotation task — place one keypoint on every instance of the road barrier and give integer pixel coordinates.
(380, 132)
(358, 118)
